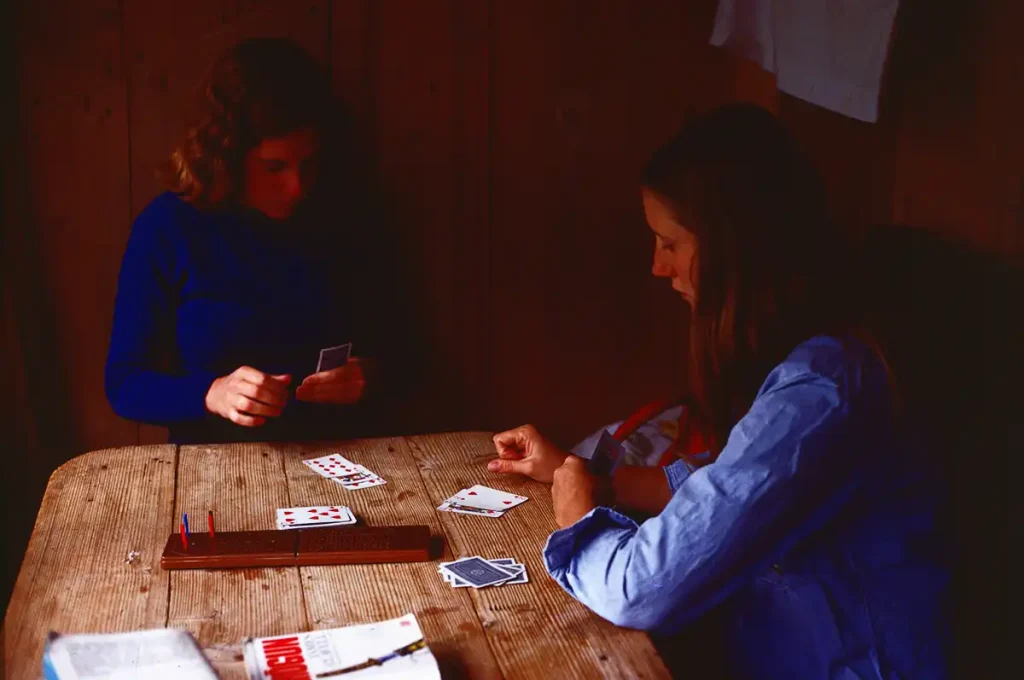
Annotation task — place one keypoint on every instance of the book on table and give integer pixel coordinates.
(160, 654)
(393, 649)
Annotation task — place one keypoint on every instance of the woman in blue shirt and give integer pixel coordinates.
(229, 285)
(810, 540)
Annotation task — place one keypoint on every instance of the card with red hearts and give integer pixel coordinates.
(333, 466)
(482, 500)
(314, 516)
(340, 469)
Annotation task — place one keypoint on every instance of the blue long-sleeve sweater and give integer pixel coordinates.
(203, 293)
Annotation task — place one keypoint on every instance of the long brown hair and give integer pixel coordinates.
(767, 265)
(260, 88)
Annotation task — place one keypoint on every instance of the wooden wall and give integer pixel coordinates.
(508, 136)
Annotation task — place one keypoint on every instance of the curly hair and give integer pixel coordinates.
(260, 88)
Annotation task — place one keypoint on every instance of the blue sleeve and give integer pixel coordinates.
(139, 384)
(782, 472)
(676, 473)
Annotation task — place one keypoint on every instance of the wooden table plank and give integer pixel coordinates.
(75, 578)
(345, 595)
(564, 638)
(243, 484)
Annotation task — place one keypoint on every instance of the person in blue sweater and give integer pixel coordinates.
(234, 279)
(809, 547)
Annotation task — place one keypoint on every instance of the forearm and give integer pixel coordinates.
(641, 488)
(152, 397)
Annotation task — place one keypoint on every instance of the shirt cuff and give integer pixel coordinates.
(565, 543)
(677, 473)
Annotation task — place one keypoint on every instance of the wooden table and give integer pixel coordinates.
(102, 506)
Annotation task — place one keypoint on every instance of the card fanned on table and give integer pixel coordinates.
(482, 500)
(331, 545)
(350, 475)
(393, 649)
(160, 654)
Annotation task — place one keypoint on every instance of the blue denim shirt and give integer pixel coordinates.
(809, 528)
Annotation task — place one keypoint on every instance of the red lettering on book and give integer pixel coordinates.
(284, 659)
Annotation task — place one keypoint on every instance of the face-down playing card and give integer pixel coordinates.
(333, 357)
(478, 572)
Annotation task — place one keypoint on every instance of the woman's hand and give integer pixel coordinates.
(343, 385)
(575, 491)
(525, 451)
(248, 397)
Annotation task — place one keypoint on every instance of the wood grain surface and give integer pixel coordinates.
(243, 484)
(93, 563)
(565, 639)
(79, 576)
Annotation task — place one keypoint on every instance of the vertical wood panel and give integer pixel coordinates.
(582, 334)
(999, 134)
(75, 140)
(856, 159)
(430, 153)
(934, 86)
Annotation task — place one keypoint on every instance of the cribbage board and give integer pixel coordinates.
(333, 545)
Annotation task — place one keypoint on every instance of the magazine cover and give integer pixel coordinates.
(392, 649)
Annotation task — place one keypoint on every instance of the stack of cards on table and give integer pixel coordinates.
(476, 572)
(482, 500)
(350, 475)
(314, 516)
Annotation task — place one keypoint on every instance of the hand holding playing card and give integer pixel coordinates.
(343, 385)
(574, 491)
(525, 451)
(248, 397)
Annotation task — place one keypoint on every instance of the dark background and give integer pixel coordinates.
(507, 136)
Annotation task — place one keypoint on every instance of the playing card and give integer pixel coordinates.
(508, 564)
(364, 481)
(317, 515)
(504, 562)
(607, 455)
(478, 572)
(451, 578)
(357, 474)
(449, 506)
(333, 466)
(484, 497)
(520, 577)
(333, 357)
